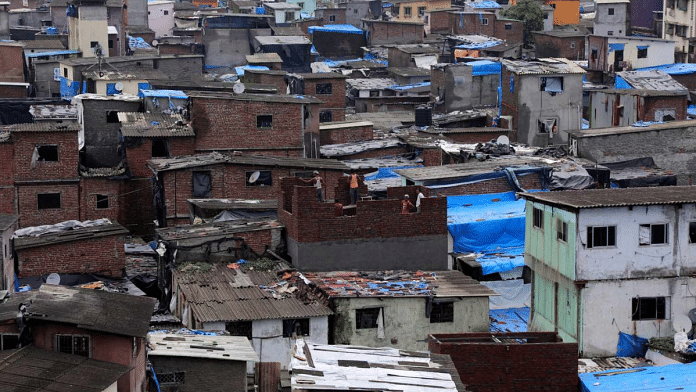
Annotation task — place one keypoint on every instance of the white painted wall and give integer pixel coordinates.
(659, 51)
(677, 16)
(607, 306)
(160, 17)
(628, 259)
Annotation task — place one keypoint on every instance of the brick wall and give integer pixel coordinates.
(305, 24)
(103, 255)
(203, 374)
(382, 152)
(12, 66)
(13, 92)
(7, 191)
(496, 185)
(512, 31)
(335, 102)
(138, 156)
(572, 48)
(276, 79)
(30, 215)
(431, 156)
(7, 199)
(469, 23)
(654, 103)
(383, 32)
(345, 134)
(439, 21)
(325, 14)
(486, 366)
(231, 124)
(68, 159)
(688, 80)
(311, 221)
(136, 212)
(90, 188)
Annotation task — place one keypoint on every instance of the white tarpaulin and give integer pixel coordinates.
(425, 61)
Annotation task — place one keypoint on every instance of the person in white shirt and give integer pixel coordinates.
(418, 200)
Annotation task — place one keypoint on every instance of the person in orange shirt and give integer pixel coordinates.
(406, 205)
(354, 187)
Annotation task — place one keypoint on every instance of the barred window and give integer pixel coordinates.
(73, 344)
(177, 378)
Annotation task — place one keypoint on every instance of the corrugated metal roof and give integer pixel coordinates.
(227, 348)
(548, 66)
(652, 80)
(137, 124)
(227, 294)
(217, 229)
(263, 58)
(598, 198)
(215, 158)
(44, 127)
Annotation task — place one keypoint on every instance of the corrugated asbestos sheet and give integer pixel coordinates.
(153, 125)
(597, 198)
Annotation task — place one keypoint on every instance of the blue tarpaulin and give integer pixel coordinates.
(631, 346)
(615, 47)
(484, 4)
(409, 86)
(387, 172)
(485, 67)
(137, 42)
(509, 260)
(175, 94)
(337, 28)
(54, 53)
(691, 110)
(621, 84)
(111, 89)
(479, 45)
(642, 47)
(678, 377)
(260, 11)
(673, 69)
(509, 320)
(68, 88)
(240, 70)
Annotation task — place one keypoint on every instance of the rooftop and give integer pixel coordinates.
(548, 66)
(347, 149)
(371, 83)
(215, 158)
(656, 378)
(598, 198)
(344, 368)
(282, 39)
(31, 237)
(227, 348)
(176, 94)
(286, 30)
(301, 99)
(651, 80)
(235, 204)
(121, 59)
(417, 49)
(408, 71)
(207, 231)
(7, 220)
(347, 284)
(53, 112)
(562, 33)
(596, 132)
(30, 369)
(43, 44)
(138, 124)
(95, 310)
(282, 6)
(335, 28)
(131, 74)
(385, 120)
(343, 124)
(260, 58)
(320, 75)
(45, 127)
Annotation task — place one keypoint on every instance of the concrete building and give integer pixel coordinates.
(612, 18)
(678, 26)
(307, 7)
(544, 98)
(283, 13)
(88, 27)
(160, 17)
(615, 54)
(565, 43)
(622, 108)
(196, 362)
(392, 309)
(610, 260)
(414, 11)
(395, 32)
(464, 86)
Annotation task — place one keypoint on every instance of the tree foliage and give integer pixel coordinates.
(531, 15)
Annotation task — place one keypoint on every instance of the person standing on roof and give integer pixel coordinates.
(354, 187)
(406, 205)
(418, 200)
(317, 181)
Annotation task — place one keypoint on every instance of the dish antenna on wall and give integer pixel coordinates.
(682, 323)
(53, 279)
(238, 88)
(119, 86)
(254, 176)
(502, 139)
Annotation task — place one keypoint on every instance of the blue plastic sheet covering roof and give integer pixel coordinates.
(673, 69)
(485, 67)
(479, 45)
(54, 53)
(621, 84)
(387, 172)
(368, 57)
(645, 124)
(260, 11)
(409, 86)
(484, 4)
(678, 377)
(631, 346)
(240, 70)
(386, 5)
(505, 261)
(177, 94)
(313, 50)
(337, 28)
(585, 124)
(691, 110)
(509, 320)
(137, 42)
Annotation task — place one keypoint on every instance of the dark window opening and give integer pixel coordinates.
(601, 236)
(111, 116)
(561, 230)
(547, 125)
(325, 116)
(610, 11)
(442, 312)
(201, 184)
(166, 12)
(111, 44)
(259, 178)
(73, 344)
(160, 148)
(508, 26)
(374, 93)
(367, 318)
(648, 308)
(296, 327)
(421, 11)
(642, 53)
(9, 341)
(692, 232)
(652, 234)
(324, 88)
(484, 21)
(93, 44)
(102, 201)
(407, 11)
(264, 121)
(178, 378)
(332, 18)
(47, 153)
(551, 84)
(47, 201)
(593, 55)
(538, 218)
(239, 328)
(65, 72)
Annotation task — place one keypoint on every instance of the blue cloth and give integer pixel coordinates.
(512, 83)
(673, 69)
(631, 346)
(409, 86)
(678, 377)
(509, 320)
(176, 94)
(240, 70)
(137, 42)
(387, 172)
(111, 89)
(337, 28)
(54, 53)
(621, 83)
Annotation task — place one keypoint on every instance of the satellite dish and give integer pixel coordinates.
(682, 323)
(254, 176)
(502, 139)
(692, 315)
(53, 279)
(119, 86)
(155, 42)
(238, 88)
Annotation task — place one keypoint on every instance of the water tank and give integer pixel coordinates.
(424, 116)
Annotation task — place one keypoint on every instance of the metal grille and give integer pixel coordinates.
(73, 344)
(172, 378)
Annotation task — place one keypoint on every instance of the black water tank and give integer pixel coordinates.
(424, 116)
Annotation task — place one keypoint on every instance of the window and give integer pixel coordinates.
(421, 11)
(547, 125)
(301, 5)
(325, 116)
(46, 201)
(73, 344)
(682, 5)
(259, 178)
(111, 116)
(538, 218)
(102, 201)
(289, 16)
(65, 72)
(572, 45)
(484, 21)
(642, 53)
(407, 11)
(652, 234)
(692, 232)
(178, 378)
(298, 327)
(610, 32)
(442, 312)
(47, 153)
(561, 230)
(551, 84)
(395, 10)
(201, 183)
(508, 26)
(665, 115)
(111, 44)
(160, 148)
(374, 93)
(546, 16)
(593, 55)
(324, 88)
(239, 328)
(355, 10)
(367, 318)
(9, 341)
(166, 12)
(264, 121)
(610, 11)
(671, 3)
(649, 308)
(93, 44)
(332, 18)
(601, 236)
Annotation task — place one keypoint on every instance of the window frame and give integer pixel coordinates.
(324, 88)
(234, 328)
(421, 11)
(664, 302)
(179, 378)
(442, 312)
(103, 197)
(258, 118)
(407, 11)
(484, 21)
(562, 234)
(60, 201)
(665, 234)
(332, 18)
(299, 321)
(325, 116)
(610, 11)
(247, 174)
(538, 218)
(642, 53)
(210, 181)
(543, 84)
(3, 342)
(358, 318)
(591, 240)
(40, 146)
(693, 223)
(57, 345)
